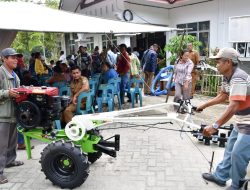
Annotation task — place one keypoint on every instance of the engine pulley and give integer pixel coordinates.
(75, 131)
(28, 115)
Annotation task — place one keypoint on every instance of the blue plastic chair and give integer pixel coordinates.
(64, 91)
(96, 75)
(57, 124)
(135, 91)
(59, 84)
(116, 82)
(107, 97)
(42, 80)
(88, 107)
(93, 84)
(96, 79)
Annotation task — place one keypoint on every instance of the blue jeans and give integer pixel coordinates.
(235, 160)
(20, 139)
(123, 85)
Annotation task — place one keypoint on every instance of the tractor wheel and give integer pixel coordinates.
(64, 164)
(92, 157)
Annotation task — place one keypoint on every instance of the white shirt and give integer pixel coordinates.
(62, 58)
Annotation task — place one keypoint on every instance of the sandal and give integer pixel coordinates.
(14, 164)
(3, 179)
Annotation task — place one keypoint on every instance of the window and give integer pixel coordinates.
(201, 31)
(109, 39)
(72, 46)
(243, 48)
(90, 44)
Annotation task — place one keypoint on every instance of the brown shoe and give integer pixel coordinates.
(3, 179)
(23, 147)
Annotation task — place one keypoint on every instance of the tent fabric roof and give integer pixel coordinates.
(23, 16)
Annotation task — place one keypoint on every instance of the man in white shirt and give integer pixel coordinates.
(62, 57)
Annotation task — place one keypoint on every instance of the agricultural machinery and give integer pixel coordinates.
(65, 160)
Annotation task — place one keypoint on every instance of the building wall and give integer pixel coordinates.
(217, 12)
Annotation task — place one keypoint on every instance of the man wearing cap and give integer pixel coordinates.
(8, 132)
(236, 86)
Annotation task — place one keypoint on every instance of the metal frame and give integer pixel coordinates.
(113, 117)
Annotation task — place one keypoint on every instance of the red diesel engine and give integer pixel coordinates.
(39, 106)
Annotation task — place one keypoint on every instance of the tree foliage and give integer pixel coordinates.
(174, 43)
(46, 43)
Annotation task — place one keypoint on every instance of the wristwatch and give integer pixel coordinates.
(215, 126)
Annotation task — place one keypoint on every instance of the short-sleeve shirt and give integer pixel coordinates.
(76, 85)
(111, 73)
(238, 89)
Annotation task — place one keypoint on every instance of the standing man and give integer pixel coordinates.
(149, 64)
(85, 61)
(8, 131)
(62, 57)
(123, 67)
(111, 56)
(195, 58)
(236, 86)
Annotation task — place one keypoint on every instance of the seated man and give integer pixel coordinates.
(107, 73)
(78, 84)
(58, 76)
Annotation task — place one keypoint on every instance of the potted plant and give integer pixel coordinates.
(174, 43)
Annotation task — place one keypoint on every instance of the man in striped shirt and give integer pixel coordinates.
(236, 85)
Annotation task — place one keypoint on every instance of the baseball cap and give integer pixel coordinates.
(228, 53)
(8, 51)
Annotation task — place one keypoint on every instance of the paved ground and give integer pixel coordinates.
(149, 159)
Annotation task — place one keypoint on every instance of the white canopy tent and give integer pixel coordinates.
(21, 16)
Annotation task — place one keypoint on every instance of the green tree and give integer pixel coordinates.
(174, 43)
(28, 42)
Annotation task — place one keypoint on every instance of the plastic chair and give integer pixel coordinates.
(42, 80)
(88, 107)
(96, 75)
(57, 124)
(64, 91)
(135, 91)
(93, 83)
(116, 82)
(107, 97)
(59, 84)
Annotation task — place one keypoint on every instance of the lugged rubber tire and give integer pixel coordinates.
(64, 164)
